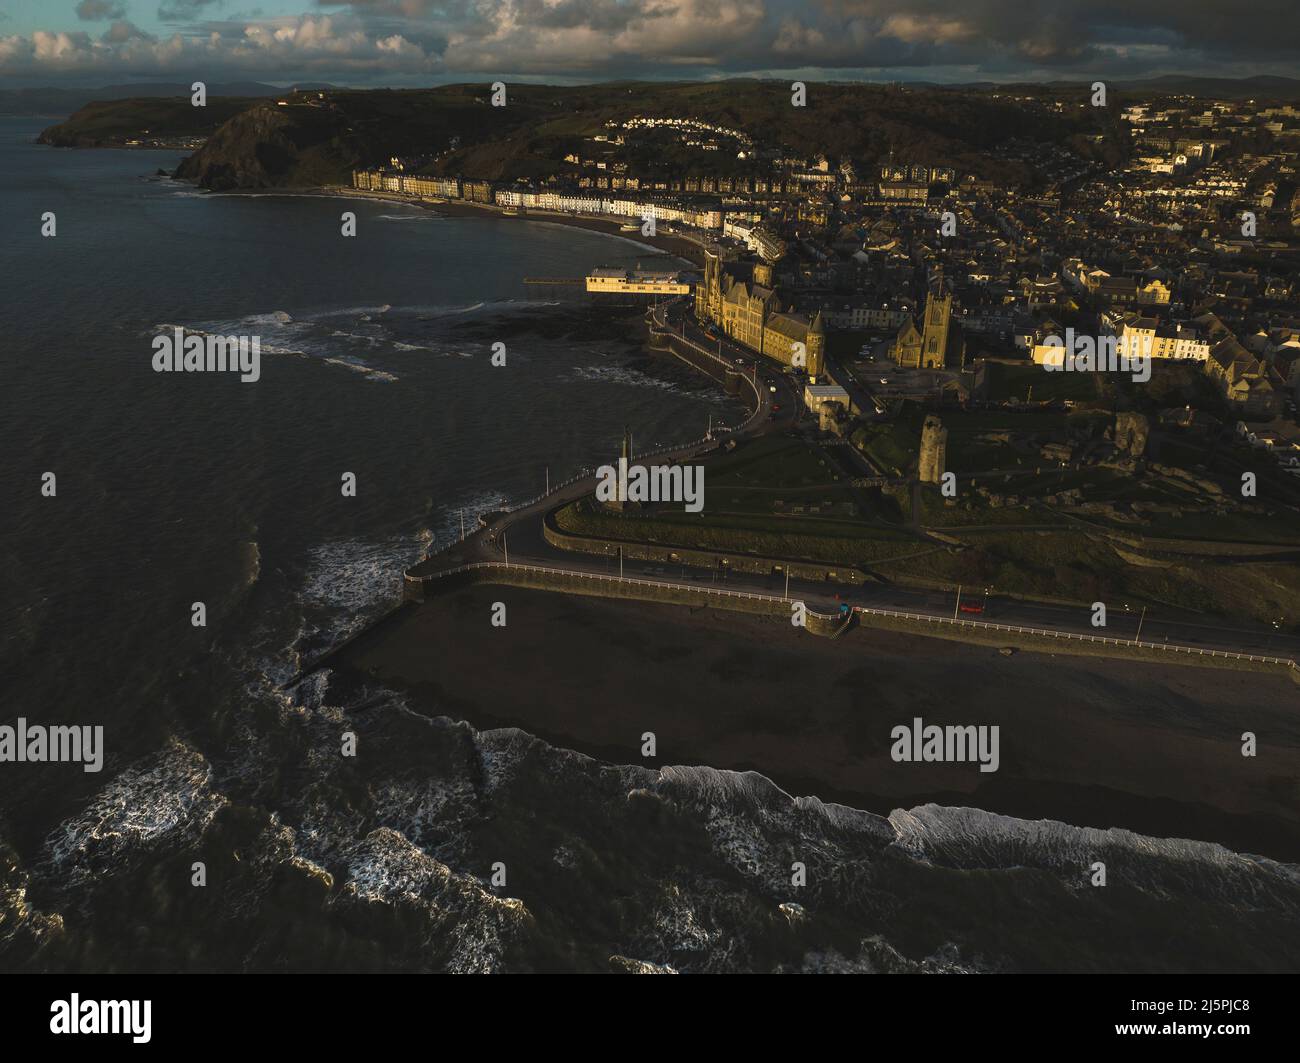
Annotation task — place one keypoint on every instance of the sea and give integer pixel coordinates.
(224, 831)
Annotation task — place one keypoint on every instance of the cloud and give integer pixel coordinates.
(122, 31)
(414, 41)
(184, 10)
(100, 10)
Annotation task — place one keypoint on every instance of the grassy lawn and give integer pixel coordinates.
(894, 444)
(1025, 381)
(811, 538)
(773, 462)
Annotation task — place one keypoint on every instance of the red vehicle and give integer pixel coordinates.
(971, 607)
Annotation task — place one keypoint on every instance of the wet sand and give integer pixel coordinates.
(1091, 742)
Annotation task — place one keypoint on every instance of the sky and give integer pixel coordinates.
(420, 42)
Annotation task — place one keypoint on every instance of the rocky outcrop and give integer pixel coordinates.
(269, 146)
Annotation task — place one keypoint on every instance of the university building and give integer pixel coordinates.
(751, 313)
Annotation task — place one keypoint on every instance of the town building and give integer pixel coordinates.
(750, 312)
(937, 344)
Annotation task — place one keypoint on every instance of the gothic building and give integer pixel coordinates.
(751, 313)
(937, 344)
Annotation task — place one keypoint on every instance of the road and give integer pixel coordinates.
(517, 536)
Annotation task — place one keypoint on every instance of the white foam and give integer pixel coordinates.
(166, 798)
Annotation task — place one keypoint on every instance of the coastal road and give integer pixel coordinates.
(518, 536)
(524, 542)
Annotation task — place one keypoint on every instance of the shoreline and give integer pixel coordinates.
(681, 247)
(384, 652)
(1125, 745)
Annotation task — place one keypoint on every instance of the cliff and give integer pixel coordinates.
(268, 146)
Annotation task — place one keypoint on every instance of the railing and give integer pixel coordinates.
(983, 625)
(599, 577)
(1079, 636)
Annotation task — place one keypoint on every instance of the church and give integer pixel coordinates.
(938, 344)
(750, 312)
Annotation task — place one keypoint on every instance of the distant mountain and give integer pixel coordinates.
(1260, 86)
(57, 101)
(453, 129)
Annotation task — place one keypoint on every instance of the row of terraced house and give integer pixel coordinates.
(706, 215)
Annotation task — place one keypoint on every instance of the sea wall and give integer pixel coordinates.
(422, 588)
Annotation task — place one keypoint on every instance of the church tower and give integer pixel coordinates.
(708, 296)
(938, 316)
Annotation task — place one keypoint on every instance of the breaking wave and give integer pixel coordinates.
(154, 805)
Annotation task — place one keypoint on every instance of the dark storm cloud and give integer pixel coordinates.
(419, 40)
(99, 10)
(1062, 31)
(185, 10)
(123, 31)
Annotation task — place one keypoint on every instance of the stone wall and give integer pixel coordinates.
(710, 559)
(601, 586)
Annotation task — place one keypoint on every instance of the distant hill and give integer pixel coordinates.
(59, 101)
(454, 129)
(111, 123)
(1261, 86)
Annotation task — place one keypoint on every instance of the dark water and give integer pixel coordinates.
(193, 487)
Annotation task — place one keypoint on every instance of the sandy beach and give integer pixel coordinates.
(1092, 742)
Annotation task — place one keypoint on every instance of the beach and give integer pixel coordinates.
(1102, 743)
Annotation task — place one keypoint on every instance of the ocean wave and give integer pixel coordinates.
(617, 374)
(368, 371)
(278, 317)
(970, 839)
(280, 334)
(162, 801)
(250, 558)
(360, 312)
(467, 927)
(340, 334)
(357, 575)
